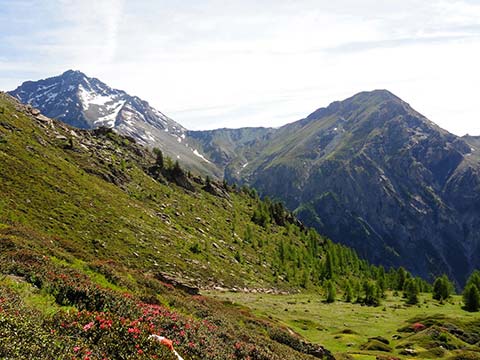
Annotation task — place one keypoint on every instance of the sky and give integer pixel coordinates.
(235, 63)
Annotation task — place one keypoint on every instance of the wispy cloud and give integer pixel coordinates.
(253, 62)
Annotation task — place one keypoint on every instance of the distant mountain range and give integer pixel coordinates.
(87, 103)
(368, 171)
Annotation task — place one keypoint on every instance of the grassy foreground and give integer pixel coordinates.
(345, 328)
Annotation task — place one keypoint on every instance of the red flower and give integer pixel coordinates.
(418, 327)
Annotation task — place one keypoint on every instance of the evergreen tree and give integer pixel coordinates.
(330, 291)
(442, 288)
(381, 281)
(401, 277)
(411, 291)
(471, 297)
(348, 292)
(177, 169)
(329, 266)
(372, 293)
(474, 279)
(261, 215)
(159, 157)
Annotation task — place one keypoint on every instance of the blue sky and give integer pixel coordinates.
(226, 63)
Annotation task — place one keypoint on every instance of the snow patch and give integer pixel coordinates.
(244, 165)
(88, 98)
(109, 120)
(195, 152)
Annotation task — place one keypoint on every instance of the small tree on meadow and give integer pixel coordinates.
(471, 298)
(442, 288)
(372, 293)
(411, 291)
(474, 279)
(401, 278)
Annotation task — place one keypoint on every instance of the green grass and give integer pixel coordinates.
(36, 298)
(344, 327)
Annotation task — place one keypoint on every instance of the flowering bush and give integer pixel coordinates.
(101, 323)
(418, 327)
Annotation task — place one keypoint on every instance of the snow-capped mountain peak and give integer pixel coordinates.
(87, 103)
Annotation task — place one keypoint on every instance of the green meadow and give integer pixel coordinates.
(345, 328)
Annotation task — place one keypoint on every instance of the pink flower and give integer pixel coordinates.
(76, 348)
(88, 326)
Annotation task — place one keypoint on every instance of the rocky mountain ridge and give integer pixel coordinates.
(373, 173)
(88, 103)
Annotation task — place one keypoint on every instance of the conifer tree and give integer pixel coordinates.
(471, 297)
(330, 291)
(159, 157)
(442, 288)
(329, 266)
(474, 279)
(348, 292)
(411, 291)
(401, 277)
(372, 293)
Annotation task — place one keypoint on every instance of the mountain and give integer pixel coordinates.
(372, 173)
(88, 103)
(100, 247)
(369, 171)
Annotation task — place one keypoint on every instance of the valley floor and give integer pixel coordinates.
(345, 328)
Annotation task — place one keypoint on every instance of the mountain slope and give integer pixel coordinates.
(373, 173)
(88, 103)
(99, 250)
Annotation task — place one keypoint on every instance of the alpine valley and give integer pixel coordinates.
(119, 239)
(369, 171)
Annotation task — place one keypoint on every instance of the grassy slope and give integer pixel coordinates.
(143, 224)
(60, 220)
(325, 323)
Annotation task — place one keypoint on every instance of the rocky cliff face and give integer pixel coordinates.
(373, 173)
(88, 103)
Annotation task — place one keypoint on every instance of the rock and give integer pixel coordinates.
(43, 119)
(408, 351)
(169, 279)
